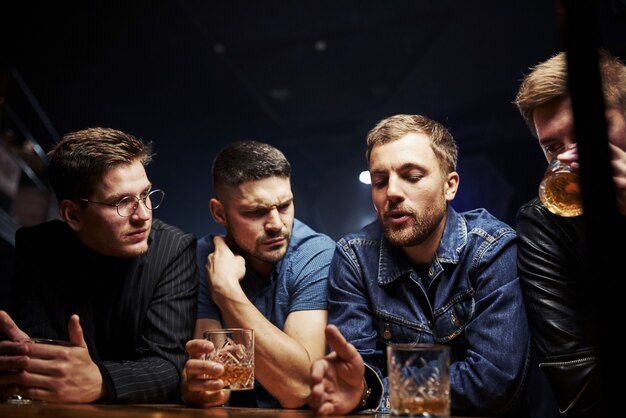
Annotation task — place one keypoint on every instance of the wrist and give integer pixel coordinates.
(367, 391)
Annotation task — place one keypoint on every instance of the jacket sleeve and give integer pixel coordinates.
(154, 375)
(488, 376)
(551, 269)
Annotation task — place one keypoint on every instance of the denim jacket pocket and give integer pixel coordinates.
(452, 318)
(393, 329)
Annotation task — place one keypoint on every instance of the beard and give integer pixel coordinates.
(420, 226)
(275, 254)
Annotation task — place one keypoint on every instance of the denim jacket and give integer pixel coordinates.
(469, 298)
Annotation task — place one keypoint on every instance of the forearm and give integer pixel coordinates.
(148, 380)
(282, 363)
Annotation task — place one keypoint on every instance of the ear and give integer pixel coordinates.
(218, 212)
(71, 213)
(452, 185)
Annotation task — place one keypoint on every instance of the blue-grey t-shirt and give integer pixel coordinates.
(299, 282)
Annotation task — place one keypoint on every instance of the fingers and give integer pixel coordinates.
(208, 399)
(8, 327)
(320, 368)
(570, 155)
(220, 243)
(76, 332)
(197, 348)
(338, 343)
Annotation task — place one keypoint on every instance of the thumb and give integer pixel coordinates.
(8, 327)
(76, 332)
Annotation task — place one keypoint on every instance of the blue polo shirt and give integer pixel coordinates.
(299, 282)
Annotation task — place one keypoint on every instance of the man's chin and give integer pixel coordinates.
(273, 256)
(134, 250)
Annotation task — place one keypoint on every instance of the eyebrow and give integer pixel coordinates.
(120, 196)
(257, 206)
(403, 167)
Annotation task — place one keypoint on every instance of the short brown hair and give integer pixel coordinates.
(80, 158)
(395, 127)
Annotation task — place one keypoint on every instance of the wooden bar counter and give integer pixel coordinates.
(48, 410)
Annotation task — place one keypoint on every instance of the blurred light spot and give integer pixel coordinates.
(364, 177)
(320, 46)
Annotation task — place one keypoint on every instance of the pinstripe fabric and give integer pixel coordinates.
(136, 314)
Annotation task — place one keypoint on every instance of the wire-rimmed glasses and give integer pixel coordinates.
(128, 205)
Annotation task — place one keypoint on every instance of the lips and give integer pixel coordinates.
(274, 242)
(396, 217)
(137, 235)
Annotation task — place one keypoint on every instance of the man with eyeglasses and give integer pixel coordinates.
(117, 284)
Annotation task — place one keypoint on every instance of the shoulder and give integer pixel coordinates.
(205, 246)
(370, 234)
(162, 233)
(305, 239)
(481, 222)
(534, 221)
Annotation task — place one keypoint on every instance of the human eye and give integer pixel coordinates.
(379, 182)
(127, 202)
(284, 207)
(413, 178)
(552, 148)
(255, 213)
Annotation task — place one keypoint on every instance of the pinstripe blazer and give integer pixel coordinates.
(137, 314)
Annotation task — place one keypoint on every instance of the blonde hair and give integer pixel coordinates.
(548, 81)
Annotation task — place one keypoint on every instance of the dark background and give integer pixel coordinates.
(308, 77)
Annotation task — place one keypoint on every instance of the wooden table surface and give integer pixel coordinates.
(46, 410)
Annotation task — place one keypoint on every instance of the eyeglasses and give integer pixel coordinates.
(128, 205)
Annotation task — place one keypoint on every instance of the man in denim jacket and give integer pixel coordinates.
(423, 273)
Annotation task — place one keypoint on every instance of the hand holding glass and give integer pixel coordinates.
(419, 379)
(234, 349)
(22, 400)
(559, 190)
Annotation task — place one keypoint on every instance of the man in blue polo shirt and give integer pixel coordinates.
(269, 273)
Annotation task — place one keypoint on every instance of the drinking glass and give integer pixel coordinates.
(234, 349)
(419, 379)
(559, 190)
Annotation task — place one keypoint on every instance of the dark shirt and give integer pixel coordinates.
(136, 313)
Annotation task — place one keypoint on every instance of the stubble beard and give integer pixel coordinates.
(420, 227)
(272, 256)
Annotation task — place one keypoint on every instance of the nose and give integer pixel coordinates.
(394, 189)
(274, 221)
(142, 212)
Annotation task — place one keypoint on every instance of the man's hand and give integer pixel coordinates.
(224, 269)
(12, 355)
(201, 384)
(54, 373)
(337, 379)
(618, 162)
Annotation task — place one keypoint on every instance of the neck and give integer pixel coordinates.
(424, 253)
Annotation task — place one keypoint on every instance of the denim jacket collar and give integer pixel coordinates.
(394, 263)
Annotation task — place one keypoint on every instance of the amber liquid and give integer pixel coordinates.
(418, 407)
(238, 376)
(560, 194)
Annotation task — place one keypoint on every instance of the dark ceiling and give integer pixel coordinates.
(308, 77)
